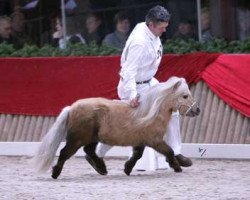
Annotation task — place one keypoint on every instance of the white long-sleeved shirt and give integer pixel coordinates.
(139, 61)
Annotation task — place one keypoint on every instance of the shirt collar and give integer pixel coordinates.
(148, 32)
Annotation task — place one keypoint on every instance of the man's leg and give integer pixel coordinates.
(102, 149)
(173, 139)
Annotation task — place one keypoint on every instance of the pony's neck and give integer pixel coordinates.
(163, 116)
(166, 110)
(157, 103)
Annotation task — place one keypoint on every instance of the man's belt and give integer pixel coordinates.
(143, 82)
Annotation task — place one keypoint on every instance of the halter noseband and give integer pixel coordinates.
(189, 107)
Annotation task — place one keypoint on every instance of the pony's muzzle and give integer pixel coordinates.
(194, 111)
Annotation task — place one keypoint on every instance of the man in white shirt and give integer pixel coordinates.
(139, 63)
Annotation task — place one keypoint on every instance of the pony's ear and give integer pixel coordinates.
(176, 86)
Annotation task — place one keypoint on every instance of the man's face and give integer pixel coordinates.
(159, 28)
(5, 29)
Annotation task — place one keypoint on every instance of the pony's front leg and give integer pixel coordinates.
(66, 152)
(137, 154)
(168, 152)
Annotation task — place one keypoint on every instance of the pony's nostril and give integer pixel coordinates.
(198, 110)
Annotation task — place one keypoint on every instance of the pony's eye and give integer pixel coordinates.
(185, 96)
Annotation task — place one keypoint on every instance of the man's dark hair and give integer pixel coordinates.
(157, 14)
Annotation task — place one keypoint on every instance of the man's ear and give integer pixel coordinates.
(150, 24)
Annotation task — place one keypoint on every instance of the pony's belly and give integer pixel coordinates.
(117, 139)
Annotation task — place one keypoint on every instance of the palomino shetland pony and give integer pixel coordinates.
(88, 121)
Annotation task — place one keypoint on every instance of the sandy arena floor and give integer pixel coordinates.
(206, 179)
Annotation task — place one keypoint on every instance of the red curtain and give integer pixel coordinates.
(189, 66)
(43, 86)
(229, 78)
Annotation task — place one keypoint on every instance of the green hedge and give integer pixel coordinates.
(215, 45)
(7, 50)
(170, 46)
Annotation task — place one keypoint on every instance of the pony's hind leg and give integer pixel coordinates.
(137, 154)
(69, 149)
(168, 152)
(96, 162)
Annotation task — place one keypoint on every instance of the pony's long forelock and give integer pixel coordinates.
(151, 100)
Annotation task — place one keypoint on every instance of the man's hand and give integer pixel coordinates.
(135, 101)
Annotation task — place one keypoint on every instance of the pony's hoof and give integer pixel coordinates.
(128, 167)
(56, 172)
(101, 171)
(54, 176)
(175, 165)
(178, 170)
(127, 171)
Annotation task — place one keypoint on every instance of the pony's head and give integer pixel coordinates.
(173, 94)
(184, 102)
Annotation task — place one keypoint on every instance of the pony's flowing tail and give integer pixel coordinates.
(45, 155)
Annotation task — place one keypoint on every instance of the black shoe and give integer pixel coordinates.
(183, 161)
(100, 170)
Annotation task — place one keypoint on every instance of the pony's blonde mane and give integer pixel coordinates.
(151, 100)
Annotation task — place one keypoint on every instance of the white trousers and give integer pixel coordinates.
(173, 136)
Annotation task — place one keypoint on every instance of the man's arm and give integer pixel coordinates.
(132, 60)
